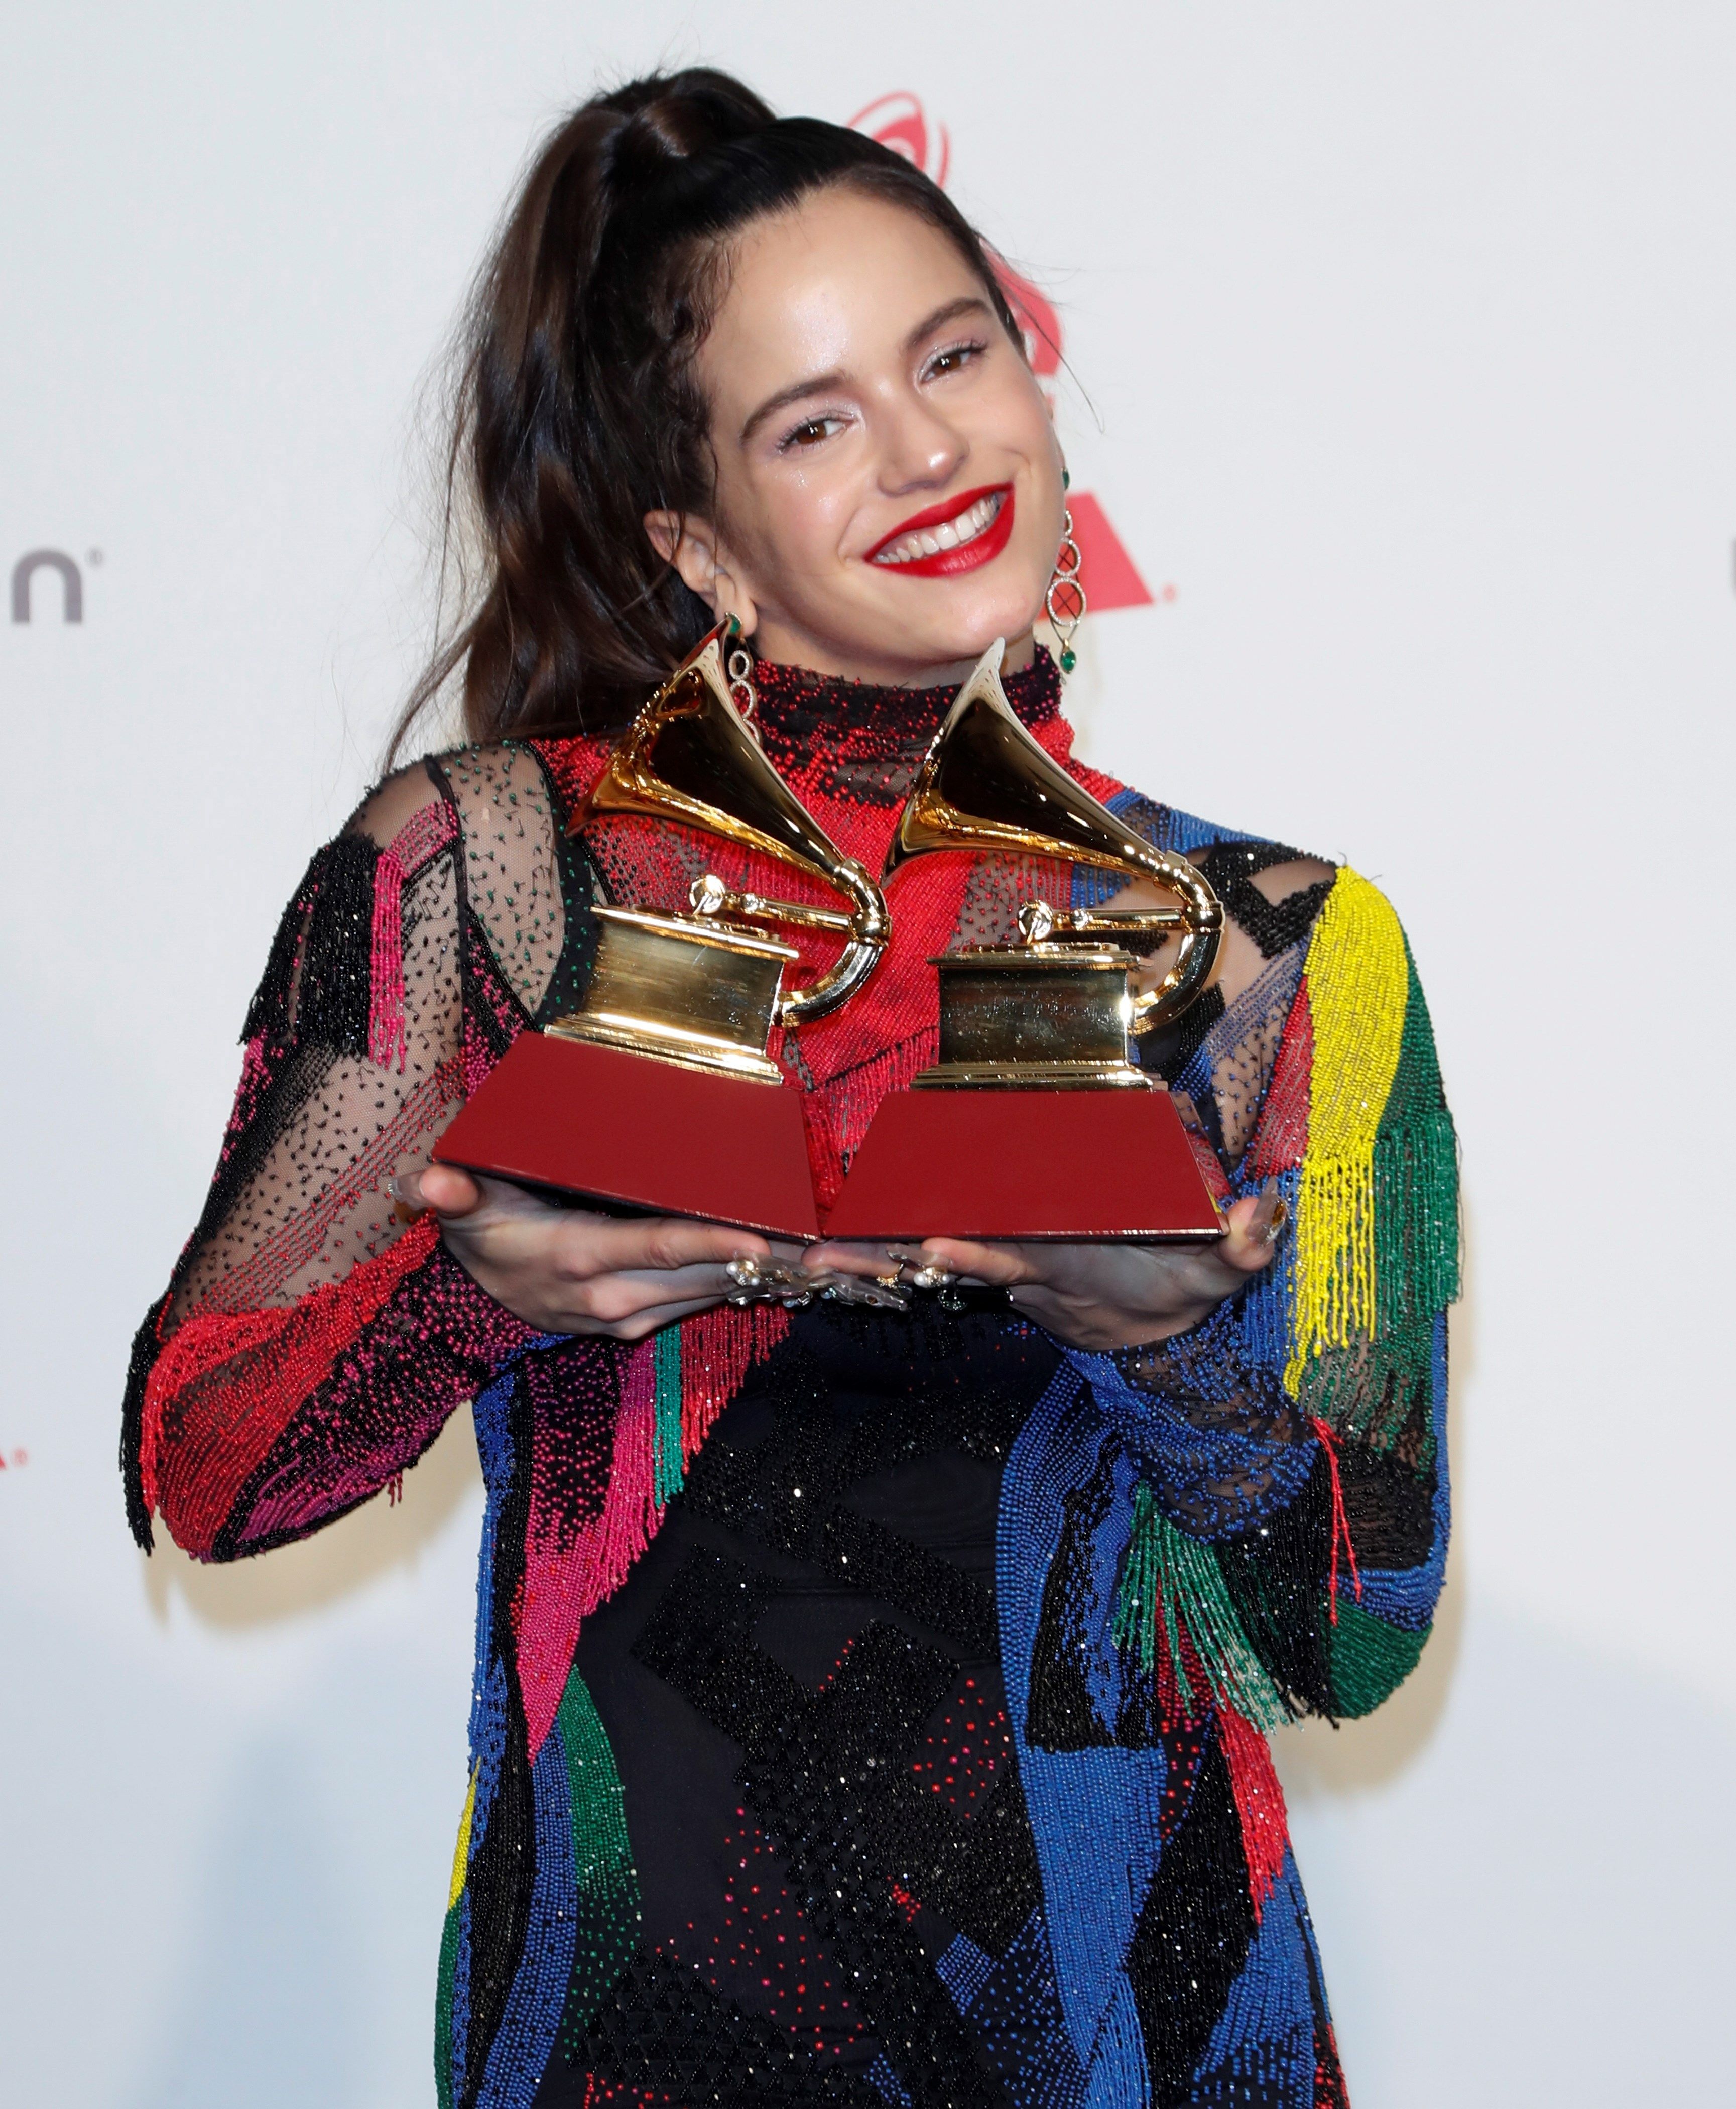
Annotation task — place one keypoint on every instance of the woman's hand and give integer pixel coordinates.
(569, 1271)
(1098, 1296)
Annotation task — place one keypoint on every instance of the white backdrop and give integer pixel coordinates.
(1407, 335)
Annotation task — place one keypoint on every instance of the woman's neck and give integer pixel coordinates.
(785, 646)
(863, 740)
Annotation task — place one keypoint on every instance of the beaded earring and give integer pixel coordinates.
(739, 667)
(1065, 600)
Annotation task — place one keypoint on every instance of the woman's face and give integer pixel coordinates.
(889, 493)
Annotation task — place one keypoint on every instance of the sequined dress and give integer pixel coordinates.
(868, 1710)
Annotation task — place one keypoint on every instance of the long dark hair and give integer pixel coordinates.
(575, 409)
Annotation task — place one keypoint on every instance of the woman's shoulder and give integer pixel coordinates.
(479, 831)
(1287, 912)
(504, 792)
(1271, 891)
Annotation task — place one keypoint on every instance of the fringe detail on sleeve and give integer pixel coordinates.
(385, 1026)
(671, 1465)
(269, 1012)
(1356, 984)
(1376, 1230)
(717, 1347)
(1171, 1585)
(329, 998)
(1260, 1804)
(420, 839)
(1416, 1184)
(140, 1492)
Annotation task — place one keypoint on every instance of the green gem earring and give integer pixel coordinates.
(1065, 600)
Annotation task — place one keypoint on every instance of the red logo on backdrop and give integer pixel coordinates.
(1110, 575)
(897, 121)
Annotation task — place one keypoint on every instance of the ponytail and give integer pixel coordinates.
(577, 411)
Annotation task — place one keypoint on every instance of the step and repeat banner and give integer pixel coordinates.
(1393, 353)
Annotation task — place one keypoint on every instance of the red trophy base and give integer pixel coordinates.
(985, 1163)
(630, 1129)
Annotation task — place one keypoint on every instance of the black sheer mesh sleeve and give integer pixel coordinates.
(314, 1339)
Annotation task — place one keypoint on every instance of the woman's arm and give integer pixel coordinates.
(317, 1330)
(1285, 1403)
(313, 1339)
(1293, 1520)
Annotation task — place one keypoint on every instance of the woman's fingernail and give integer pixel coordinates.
(1270, 1215)
(405, 1192)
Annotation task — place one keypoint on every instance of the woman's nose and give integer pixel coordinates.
(919, 448)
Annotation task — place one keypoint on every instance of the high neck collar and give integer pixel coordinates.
(857, 741)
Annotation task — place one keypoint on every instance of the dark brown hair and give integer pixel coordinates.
(576, 412)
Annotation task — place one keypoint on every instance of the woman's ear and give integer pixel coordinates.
(692, 545)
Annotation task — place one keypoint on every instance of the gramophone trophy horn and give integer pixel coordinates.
(985, 784)
(650, 1095)
(691, 758)
(1037, 1120)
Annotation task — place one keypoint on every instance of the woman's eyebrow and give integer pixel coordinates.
(816, 384)
(813, 385)
(969, 303)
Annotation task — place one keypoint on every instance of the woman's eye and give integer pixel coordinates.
(949, 361)
(810, 432)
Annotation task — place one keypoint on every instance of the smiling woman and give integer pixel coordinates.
(823, 537)
(707, 338)
(869, 1707)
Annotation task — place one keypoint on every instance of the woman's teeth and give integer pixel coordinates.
(931, 541)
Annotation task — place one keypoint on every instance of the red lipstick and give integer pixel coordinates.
(982, 548)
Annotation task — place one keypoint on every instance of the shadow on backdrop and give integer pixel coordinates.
(334, 1562)
(1315, 1758)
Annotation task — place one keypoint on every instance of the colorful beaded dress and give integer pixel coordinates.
(867, 1709)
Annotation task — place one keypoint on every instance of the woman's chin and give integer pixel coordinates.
(957, 636)
(920, 641)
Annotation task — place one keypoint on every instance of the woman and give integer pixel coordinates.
(868, 1708)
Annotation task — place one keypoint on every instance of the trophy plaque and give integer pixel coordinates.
(1037, 1120)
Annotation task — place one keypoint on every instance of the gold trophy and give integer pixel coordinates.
(658, 1094)
(704, 989)
(1037, 1121)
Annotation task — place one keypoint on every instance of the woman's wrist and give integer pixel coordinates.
(1147, 1364)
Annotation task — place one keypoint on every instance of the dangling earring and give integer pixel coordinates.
(1065, 600)
(739, 666)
